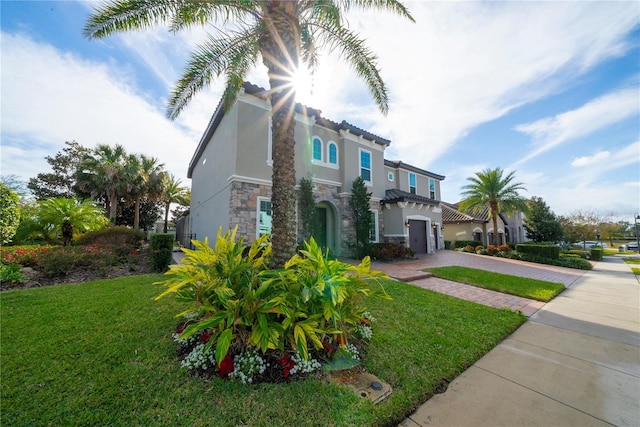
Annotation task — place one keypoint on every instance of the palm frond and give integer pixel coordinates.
(232, 55)
(393, 6)
(361, 58)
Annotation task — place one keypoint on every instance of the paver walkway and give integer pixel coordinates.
(411, 272)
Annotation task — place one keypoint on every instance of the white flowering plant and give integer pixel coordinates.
(247, 365)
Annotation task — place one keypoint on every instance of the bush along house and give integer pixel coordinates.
(231, 179)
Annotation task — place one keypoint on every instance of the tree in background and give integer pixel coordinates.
(9, 214)
(149, 213)
(581, 225)
(361, 211)
(173, 192)
(307, 206)
(281, 34)
(16, 185)
(103, 173)
(488, 188)
(541, 223)
(61, 182)
(147, 177)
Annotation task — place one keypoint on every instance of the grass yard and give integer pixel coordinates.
(539, 290)
(634, 261)
(101, 353)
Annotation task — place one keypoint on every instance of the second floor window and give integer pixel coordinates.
(333, 153)
(317, 149)
(432, 188)
(413, 187)
(365, 165)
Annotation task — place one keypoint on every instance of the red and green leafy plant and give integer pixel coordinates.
(243, 306)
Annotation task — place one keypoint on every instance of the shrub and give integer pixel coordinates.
(545, 251)
(117, 236)
(448, 244)
(10, 275)
(26, 256)
(504, 248)
(9, 213)
(478, 248)
(388, 251)
(58, 261)
(243, 305)
(578, 263)
(492, 249)
(596, 254)
(161, 248)
(464, 243)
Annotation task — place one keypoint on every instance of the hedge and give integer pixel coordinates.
(545, 251)
(161, 247)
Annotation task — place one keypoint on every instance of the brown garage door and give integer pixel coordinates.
(418, 236)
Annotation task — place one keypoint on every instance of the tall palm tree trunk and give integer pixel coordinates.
(494, 216)
(167, 205)
(136, 214)
(113, 208)
(280, 51)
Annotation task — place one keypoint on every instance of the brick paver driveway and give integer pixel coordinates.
(403, 269)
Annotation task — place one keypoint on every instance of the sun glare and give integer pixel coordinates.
(302, 82)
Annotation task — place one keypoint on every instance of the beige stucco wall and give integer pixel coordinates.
(210, 193)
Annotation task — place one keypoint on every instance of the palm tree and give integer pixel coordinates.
(102, 173)
(147, 178)
(279, 32)
(488, 188)
(67, 216)
(173, 193)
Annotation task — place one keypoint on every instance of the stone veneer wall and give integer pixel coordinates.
(243, 208)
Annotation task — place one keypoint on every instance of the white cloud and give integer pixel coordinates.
(49, 97)
(590, 160)
(597, 114)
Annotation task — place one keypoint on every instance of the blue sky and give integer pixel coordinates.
(548, 89)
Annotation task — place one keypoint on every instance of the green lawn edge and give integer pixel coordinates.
(100, 353)
(539, 290)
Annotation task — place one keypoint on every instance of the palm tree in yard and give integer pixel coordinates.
(67, 216)
(147, 180)
(173, 192)
(103, 173)
(280, 33)
(489, 188)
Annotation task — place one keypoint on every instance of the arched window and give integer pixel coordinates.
(333, 153)
(317, 149)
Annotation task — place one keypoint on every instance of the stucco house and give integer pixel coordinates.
(459, 225)
(231, 178)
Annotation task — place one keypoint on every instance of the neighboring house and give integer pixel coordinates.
(232, 167)
(478, 226)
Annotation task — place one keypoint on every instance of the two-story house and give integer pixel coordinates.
(232, 167)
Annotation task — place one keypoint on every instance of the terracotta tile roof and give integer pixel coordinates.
(393, 196)
(451, 214)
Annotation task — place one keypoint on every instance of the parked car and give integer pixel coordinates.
(632, 246)
(590, 244)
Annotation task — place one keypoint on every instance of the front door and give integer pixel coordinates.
(321, 231)
(418, 236)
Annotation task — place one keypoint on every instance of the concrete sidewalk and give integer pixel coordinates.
(576, 362)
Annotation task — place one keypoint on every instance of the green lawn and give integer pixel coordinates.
(520, 286)
(633, 261)
(100, 353)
